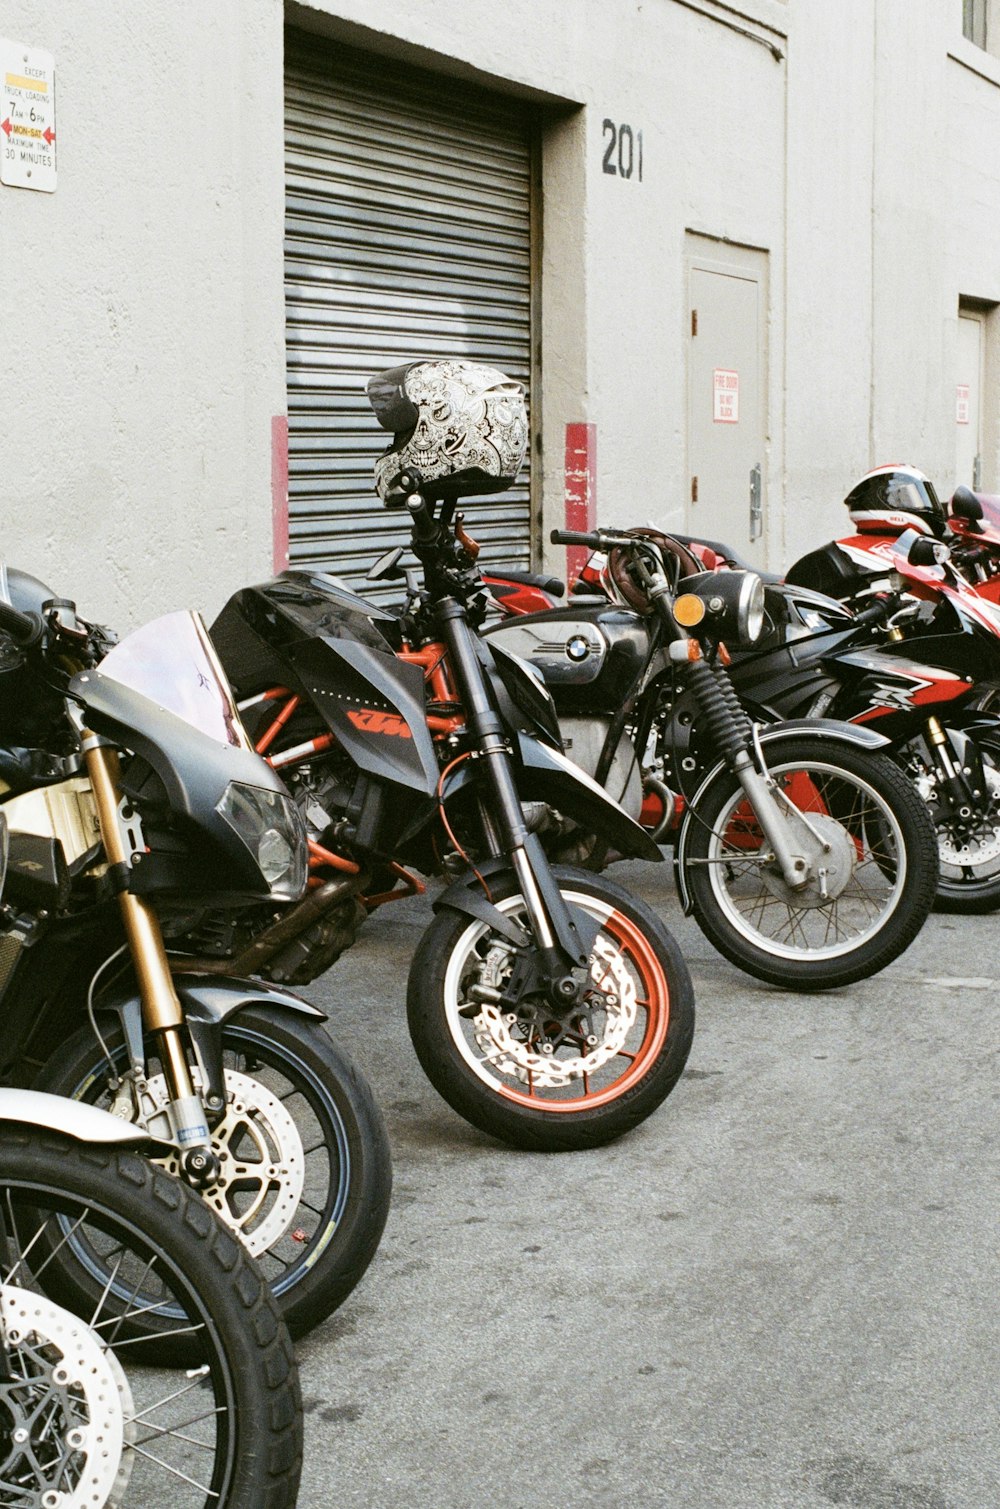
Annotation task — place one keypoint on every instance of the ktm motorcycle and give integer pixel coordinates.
(803, 852)
(136, 804)
(548, 1007)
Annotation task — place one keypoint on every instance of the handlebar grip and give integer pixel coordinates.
(25, 628)
(425, 528)
(575, 537)
(877, 613)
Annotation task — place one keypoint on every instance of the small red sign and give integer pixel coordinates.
(725, 396)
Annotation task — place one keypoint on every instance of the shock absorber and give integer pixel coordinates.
(720, 707)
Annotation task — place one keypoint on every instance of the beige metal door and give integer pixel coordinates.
(727, 424)
(969, 400)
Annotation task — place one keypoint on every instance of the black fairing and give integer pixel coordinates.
(194, 772)
(828, 570)
(523, 703)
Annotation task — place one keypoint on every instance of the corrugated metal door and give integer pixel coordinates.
(408, 234)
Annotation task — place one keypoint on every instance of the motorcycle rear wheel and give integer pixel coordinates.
(798, 939)
(86, 1419)
(333, 1139)
(518, 1076)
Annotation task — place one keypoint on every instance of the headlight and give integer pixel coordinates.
(271, 828)
(730, 603)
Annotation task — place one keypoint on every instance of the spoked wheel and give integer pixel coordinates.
(968, 839)
(84, 1418)
(532, 1079)
(870, 890)
(305, 1176)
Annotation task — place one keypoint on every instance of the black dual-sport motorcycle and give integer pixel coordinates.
(135, 802)
(549, 1007)
(805, 855)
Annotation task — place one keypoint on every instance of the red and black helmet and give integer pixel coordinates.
(889, 499)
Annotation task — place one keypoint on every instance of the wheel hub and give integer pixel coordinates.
(830, 866)
(262, 1166)
(523, 1043)
(68, 1406)
(974, 842)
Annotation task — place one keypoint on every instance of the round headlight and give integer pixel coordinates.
(751, 610)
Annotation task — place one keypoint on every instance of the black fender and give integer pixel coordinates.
(550, 776)
(73, 1118)
(831, 730)
(207, 1001)
(576, 931)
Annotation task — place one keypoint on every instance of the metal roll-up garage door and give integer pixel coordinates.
(408, 234)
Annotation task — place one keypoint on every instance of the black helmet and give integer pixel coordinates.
(889, 499)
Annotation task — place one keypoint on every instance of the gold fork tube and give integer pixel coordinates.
(161, 1009)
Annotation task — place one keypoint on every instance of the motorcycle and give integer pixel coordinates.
(83, 1417)
(804, 854)
(548, 1007)
(817, 658)
(135, 803)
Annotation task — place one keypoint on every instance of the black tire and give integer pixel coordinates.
(969, 882)
(332, 1237)
(883, 821)
(637, 945)
(249, 1434)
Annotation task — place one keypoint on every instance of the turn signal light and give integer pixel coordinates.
(689, 610)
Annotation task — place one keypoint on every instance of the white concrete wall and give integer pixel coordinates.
(141, 304)
(141, 313)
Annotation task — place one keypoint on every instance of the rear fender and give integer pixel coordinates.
(833, 732)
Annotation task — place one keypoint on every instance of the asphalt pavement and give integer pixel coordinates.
(781, 1290)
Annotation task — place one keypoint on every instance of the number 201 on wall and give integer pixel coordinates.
(623, 150)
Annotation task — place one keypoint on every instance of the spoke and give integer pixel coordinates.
(138, 1341)
(169, 1399)
(58, 1248)
(175, 1471)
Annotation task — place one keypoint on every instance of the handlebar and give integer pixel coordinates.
(24, 628)
(597, 539)
(878, 612)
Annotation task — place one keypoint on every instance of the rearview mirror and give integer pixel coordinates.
(924, 551)
(965, 505)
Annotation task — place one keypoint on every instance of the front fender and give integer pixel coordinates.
(207, 1001)
(549, 776)
(72, 1118)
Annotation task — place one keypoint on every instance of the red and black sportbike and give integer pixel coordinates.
(549, 1007)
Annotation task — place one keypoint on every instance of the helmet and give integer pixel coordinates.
(462, 426)
(617, 581)
(889, 499)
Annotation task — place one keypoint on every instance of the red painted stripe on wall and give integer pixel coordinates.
(580, 489)
(279, 492)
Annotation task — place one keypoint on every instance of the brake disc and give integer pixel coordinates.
(66, 1415)
(496, 1031)
(978, 842)
(263, 1166)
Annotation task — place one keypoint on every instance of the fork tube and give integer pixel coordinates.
(161, 1009)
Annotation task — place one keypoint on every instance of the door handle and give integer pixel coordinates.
(756, 503)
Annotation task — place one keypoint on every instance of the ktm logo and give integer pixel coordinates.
(372, 722)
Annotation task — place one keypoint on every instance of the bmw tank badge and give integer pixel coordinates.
(577, 648)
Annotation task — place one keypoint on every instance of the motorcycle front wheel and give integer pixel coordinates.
(85, 1417)
(968, 841)
(877, 883)
(532, 1081)
(306, 1175)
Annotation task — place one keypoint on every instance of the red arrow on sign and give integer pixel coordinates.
(49, 135)
(5, 126)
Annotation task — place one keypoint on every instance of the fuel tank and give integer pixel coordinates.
(589, 656)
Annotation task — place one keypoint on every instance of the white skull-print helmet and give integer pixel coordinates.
(462, 426)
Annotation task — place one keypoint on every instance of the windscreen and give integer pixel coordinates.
(173, 662)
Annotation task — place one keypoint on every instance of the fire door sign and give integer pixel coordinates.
(725, 396)
(962, 403)
(27, 117)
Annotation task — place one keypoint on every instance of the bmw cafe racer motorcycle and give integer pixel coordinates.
(804, 854)
(548, 1007)
(136, 804)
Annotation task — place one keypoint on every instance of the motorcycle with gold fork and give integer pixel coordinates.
(135, 800)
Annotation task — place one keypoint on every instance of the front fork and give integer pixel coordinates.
(563, 953)
(794, 843)
(162, 1014)
(953, 781)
